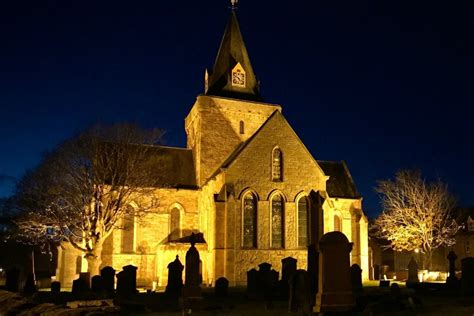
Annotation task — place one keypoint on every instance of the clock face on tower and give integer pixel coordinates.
(238, 76)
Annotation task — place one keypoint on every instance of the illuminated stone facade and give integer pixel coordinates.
(248, 184)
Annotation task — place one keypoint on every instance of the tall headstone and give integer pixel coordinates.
(55, 287)
(412, 273)
(192, 279)
(288, 267)
(252, 283)
(108, 280)
(467, 279)
(356, 278)
(97, 284)
(300, 292)
(334, 290)
(175, 278)
(30, 285)
(452, 281)
(127, 281)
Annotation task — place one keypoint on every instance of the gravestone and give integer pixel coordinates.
(86, 279)
(376, 272)
(467, 279)
(192, 279)
(395, 291)
(412, 273)
(108, 280)
(334, 290)
(222, 287)
(12, 279)
(300, 292)
(55, 287)
(356, 278)
(252, 283)
(175, 278)
(127, 281)
(267, 280)
(96, 284)
(79, 286)
(452, 281)
(288, 267)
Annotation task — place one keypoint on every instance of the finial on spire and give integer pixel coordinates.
(233, 4)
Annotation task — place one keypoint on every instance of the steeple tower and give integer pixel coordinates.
(232, 75)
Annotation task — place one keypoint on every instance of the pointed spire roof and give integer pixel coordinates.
(232, 75)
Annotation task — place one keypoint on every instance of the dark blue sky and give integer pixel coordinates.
(384, 85)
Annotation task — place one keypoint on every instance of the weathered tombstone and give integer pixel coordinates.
(79, 286)
(55, 287)
(334, 290)
(300, 292)
(30, 286)
(175, 278)
(452, 281)
(127, 281)
(467, 279)
(12, 279)
(86, 279)
(192, 279)
(252, 283)
(108, 280)
(412, 273)
(222, 287)
(376, 272)
(96, 284)
(288, 267)
(267, 280)
(356, 278)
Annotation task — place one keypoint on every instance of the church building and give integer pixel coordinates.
(245, 184)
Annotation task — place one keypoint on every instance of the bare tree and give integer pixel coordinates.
(80, 191)
(416, 214)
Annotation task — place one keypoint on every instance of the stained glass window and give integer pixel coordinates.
(250, 221)
(302, 222)
(175, 229)
(276, 165)
(277, 221)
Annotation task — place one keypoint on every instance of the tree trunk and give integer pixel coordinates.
(427, 258)
(94, 259)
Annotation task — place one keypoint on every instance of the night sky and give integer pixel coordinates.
(383, 85)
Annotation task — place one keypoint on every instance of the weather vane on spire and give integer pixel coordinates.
(233, 4)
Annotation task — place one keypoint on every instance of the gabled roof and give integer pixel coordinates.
(231, 52)
(244, 144)
(340, 183)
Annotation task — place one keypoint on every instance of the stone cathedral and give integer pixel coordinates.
(245, 184)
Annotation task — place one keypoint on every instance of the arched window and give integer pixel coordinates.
(277, 164)
(128, 232)
(277, 221)
(303, 220)
(175, 224)
(249, 221)
(241, 127)
(337, 223)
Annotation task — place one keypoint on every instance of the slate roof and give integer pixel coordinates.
(174, 167)
(340, 183)
(232, 51)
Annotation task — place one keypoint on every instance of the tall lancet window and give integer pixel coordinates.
(249, 221)
(128, 232)
(277, 164)
(303, 221)
(277, 221)
(337, 223)
(175, 224)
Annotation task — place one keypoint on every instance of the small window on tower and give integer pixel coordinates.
(241, 126)
(276, 164)
(238, 76)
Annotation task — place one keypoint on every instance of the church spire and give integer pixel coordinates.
(232, 75)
